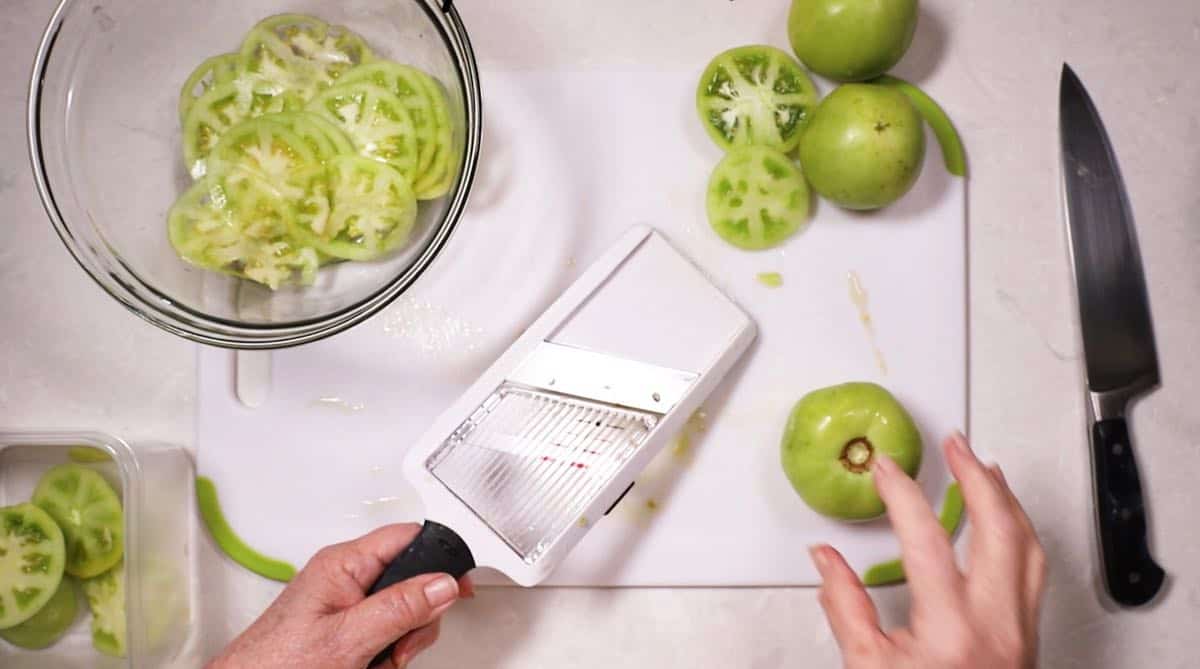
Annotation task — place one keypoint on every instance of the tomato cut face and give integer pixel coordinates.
(359, 209)
(90, 515)
(213, 72)
(755, 95)
(426, 105)
(301, 53)
(265, 148)
(757, 198)
(105, 596)
(324, 138)
(375, 120)
(32, 559)
(237, 224)
(220, 109)
(49, 624)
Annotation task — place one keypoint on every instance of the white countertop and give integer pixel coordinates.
(71, 357)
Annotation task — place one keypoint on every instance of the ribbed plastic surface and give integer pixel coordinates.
(529, 462)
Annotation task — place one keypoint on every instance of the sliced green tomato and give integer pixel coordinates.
(359, 209)
(426, 106)
(264, 147)
(213, 72)
(237, 224)
(89, 512)
(221, 108)
(437, 180)
(301, 53)
(49, 624)
(375, 120)
(106, 598)
(757, 198)
(32, 559)
(755, 95)
(324, 138)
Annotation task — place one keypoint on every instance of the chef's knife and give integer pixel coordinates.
(1118, 339)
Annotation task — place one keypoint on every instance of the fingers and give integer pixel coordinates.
(851, 613)
(1035, 577)
(924, 547)
(999, 541)
(365, 558)
(414, 643)
(391, 613)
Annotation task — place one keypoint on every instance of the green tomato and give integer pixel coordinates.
(32, 558)
(757, 198)
(864, 147)
(105, 596)
(89, 512)
(830, 442)
(755, 95)
(49, 624)
(851, 40)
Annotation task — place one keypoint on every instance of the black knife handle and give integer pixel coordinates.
(1131, 576)
(436, 550)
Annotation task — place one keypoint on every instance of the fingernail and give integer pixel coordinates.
(998, 473)
(819, 557)
(441, 591)
(960, 442)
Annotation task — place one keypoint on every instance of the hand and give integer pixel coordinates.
(983, 617)
(323, 619)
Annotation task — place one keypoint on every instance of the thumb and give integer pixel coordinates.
(391, 613)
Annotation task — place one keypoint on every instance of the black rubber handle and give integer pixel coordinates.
(1131, 576)
(436, 550)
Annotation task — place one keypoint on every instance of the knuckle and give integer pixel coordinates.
(408, 607)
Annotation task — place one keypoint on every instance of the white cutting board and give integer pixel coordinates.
(563, 172)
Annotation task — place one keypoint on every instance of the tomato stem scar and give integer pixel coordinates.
(858, 455)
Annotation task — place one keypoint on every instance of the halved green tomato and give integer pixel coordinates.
(32, 559)
(358, 209)
(89, 513)
(105, 596)
(264, 147)
(755, 95)
(757, 198)
(47, 625)
(213, 72)
(426, 106)
(300, 52)
(324, 138)
(221, 108)
(375, 120)
(238, 224)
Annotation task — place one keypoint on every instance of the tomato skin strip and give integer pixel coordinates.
(892, 571)
(953, 153)
(228, 540)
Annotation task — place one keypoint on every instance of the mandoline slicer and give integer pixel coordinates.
(550, 437)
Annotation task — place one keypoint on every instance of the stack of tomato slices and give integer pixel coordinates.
(306, 149)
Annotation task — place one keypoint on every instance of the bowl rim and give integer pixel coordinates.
(159, 309)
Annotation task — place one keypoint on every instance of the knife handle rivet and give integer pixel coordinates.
(1126, 514)
(1118, 448)
(1134, 577)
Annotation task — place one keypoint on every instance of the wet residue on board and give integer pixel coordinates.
(696, 424)
(432, 329)
(338, 404)
(380, 502)
(859, 297)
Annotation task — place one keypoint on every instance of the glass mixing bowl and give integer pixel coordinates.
(106, 146)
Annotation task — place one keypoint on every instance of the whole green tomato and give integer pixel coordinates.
(830, 443)
(864, 146)
(851, 40)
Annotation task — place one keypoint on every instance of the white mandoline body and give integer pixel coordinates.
(642, 338)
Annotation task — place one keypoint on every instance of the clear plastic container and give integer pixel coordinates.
(155, 482)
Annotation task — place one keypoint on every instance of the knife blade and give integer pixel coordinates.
(1118, 339)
